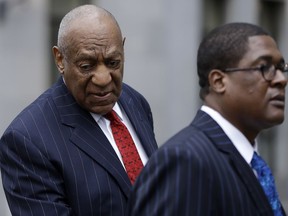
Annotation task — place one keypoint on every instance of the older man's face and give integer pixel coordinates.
(93, 65)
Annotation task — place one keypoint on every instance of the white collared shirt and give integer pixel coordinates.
(104, 124)
(240, 142)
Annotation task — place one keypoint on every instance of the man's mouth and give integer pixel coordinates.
(278, 100)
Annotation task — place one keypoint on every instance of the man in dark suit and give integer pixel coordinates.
(59, 156)
(205, 169)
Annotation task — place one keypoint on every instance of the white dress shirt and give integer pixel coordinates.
(104, 124)
(240, 142)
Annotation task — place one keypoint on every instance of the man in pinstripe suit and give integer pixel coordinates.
(58, 157)
(205, 168)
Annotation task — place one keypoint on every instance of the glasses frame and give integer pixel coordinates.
(264, 69)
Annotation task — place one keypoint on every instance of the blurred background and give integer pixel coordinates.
(162, 38)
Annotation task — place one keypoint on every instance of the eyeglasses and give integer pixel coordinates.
(268, 71)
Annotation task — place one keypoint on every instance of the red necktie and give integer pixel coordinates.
(126, 146)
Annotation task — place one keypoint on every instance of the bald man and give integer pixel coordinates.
(59, 155)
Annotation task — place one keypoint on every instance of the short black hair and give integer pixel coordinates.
(222, 48)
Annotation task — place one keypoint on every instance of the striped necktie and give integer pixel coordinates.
(267, 182)
(126, 146)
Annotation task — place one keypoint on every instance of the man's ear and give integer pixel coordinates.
(58, 58)
(217, 81)
(123, 42)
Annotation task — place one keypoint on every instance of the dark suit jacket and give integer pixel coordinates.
(56, 160)
(198, 172)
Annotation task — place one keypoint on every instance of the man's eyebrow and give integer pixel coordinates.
(268, 58)
(114, 54)
(265, 57)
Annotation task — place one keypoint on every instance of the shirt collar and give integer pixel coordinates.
(238, 139)
(116, 108)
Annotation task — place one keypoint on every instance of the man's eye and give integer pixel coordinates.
(265, 68)
(282, 66)
(113, 63)
(85, 67)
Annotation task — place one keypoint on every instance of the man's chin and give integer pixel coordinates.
(102, 110)
(276, 120)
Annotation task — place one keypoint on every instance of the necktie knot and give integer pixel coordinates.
(260, 166)
(112, 117)
(267, 182)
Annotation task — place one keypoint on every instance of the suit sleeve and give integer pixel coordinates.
(174, 182)
(31, 184)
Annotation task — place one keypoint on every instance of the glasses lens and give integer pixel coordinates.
(268, 72)
(283, 67)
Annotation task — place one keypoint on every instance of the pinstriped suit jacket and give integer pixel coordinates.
(198, 172)
(55, 159)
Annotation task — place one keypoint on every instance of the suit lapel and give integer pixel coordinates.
(217, 136)
(101, 151)
(88, 136)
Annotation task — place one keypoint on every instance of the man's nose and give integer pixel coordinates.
(280, 78)
(101, 76)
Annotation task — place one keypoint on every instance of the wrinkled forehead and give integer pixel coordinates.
(93, 39)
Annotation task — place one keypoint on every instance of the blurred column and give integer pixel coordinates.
(183, 32)
(3, 10)
(23, 59)
(244, 11)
